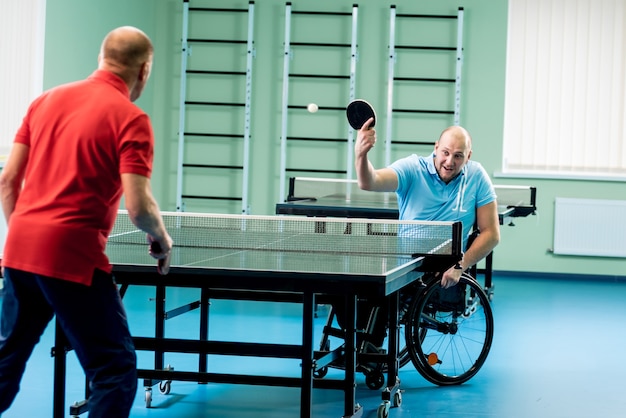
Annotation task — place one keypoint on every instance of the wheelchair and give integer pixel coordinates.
(445, 333)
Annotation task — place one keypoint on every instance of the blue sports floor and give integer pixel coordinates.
(559, 351)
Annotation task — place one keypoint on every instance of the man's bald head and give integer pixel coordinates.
(458, 133)
(126, 47)
(127, 52)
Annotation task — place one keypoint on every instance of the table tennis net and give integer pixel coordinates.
(298, 234)
(514, 196)
(317, 188)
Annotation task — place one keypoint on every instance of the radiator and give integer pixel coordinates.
(590, 227)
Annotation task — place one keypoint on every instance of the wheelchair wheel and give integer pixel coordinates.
(449, 331)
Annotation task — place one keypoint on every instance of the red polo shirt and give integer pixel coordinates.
(82, 137)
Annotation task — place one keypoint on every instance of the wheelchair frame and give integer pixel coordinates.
(447, 342)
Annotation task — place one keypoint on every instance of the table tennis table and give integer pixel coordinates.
(342, 198)
(271, 258)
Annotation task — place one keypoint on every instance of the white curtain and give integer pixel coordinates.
(565, 112)
(22, 27)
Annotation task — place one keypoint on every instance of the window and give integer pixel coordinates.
(21, 68)
(565, 112)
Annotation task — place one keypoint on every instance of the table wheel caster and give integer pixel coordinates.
(148, 396)
(165, 387)
(383, 410)
(320, 373)
(397, 399)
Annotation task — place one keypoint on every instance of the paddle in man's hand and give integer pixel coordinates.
(358, 112)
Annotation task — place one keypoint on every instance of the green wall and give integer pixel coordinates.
(74, 29)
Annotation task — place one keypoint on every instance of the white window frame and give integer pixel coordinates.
(565, 94)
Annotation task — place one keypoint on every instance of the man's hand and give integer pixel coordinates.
(162, 251)
(451, 277)
(365, 139)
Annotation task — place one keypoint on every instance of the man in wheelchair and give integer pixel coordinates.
(443, 186)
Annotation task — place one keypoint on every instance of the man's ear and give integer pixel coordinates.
(144, 71)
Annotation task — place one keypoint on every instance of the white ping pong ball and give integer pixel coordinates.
(312, 107)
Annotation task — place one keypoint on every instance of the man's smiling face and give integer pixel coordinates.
(452, 151)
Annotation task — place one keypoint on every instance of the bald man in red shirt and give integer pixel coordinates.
(81, 146)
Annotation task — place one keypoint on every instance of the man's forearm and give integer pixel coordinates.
(148, 219)
(480, 248)
(9, 198)
(12, 177)
(365, 173)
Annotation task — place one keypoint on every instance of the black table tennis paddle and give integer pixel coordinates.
(155, 247)
(358, 112)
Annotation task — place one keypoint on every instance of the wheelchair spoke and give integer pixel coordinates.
(449, 335)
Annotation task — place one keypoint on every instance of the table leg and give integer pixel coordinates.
(391, 394)
(60, 367)
(306, 390)
(489, 275)
(394, 337)
(351, 408)
(159, 334)
(204, 327)
(159, 331)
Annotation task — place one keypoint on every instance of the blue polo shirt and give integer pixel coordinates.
(423, 196)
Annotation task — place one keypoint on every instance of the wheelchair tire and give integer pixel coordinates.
(448, 341)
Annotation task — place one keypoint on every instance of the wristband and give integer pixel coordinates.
(458, 266)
